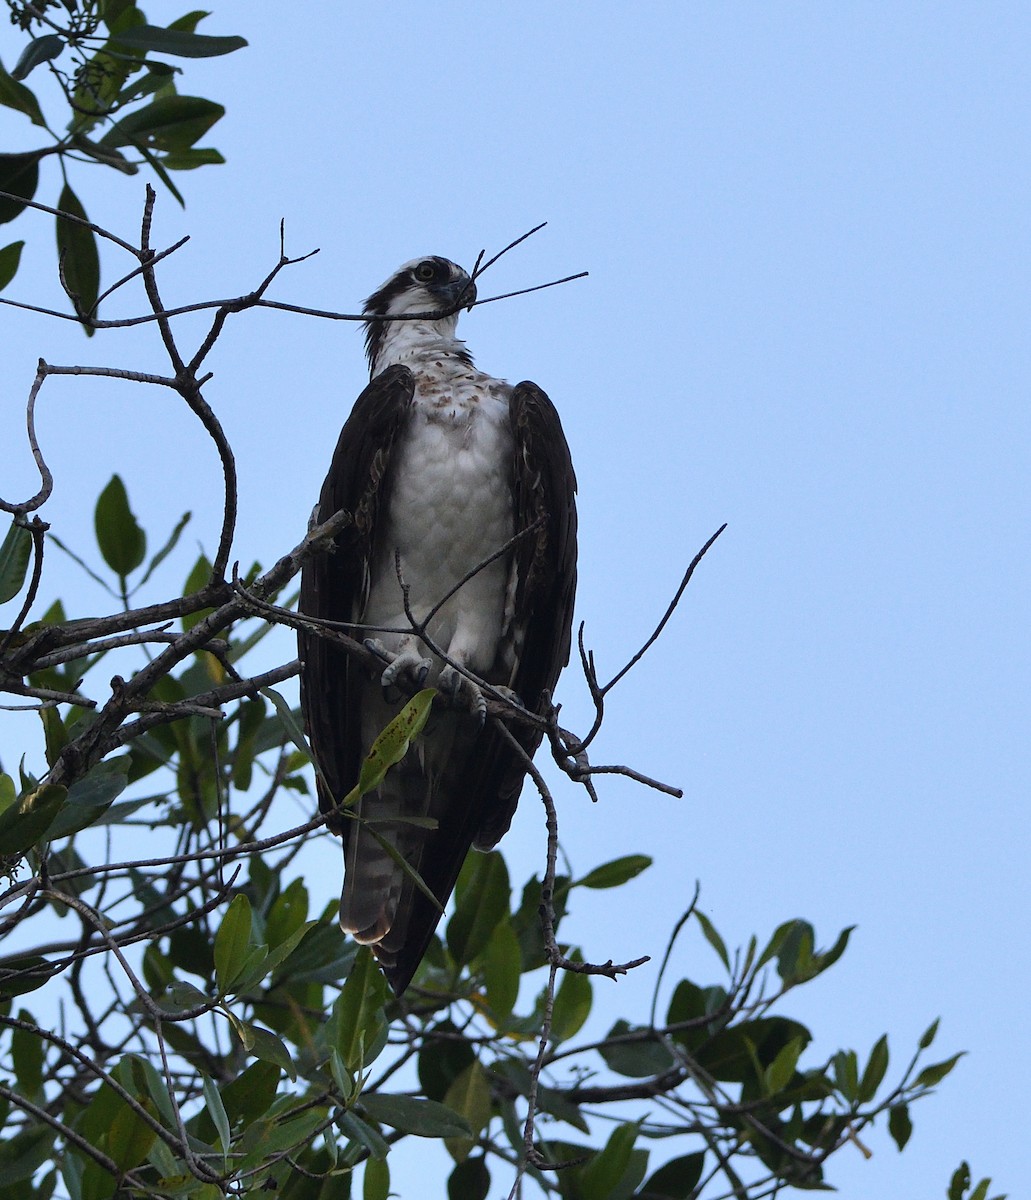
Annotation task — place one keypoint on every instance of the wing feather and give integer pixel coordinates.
(334, 585)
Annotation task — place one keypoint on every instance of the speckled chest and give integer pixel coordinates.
(451, 500)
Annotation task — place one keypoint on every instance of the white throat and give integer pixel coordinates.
(414, 343)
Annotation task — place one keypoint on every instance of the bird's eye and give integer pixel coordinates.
(425, 271)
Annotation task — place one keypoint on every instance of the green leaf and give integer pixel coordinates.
(28, 1054)
(392, 744)
(167, 548)
(846, 1074)
(17, 96)
(501, 974)
(483, 900)
(779, 1073)
(376, 1183)
(637, 1060)
(15, 553)
(733, 1054)
(39, 50)
(677, 1179)
(960, 1181)
(191, 159)
(443, 1056)
(10, 257)
(233, 943)
(107, 155)
(615, 873)
(470, 1180)
(25, 974)
(168, 123)
(25, 823)
(271, 1048)
(469, 1096)
(929, 1034)
(90, 797)
(875, 1070)
(359, 1009)
(22, 1155)
(409, 1114)
(19, 174)
(217, 1112)
(601, 1176)
(899, 1124)
(361, 1132)
(178, 42)
(80, 264)
(122, 542)
(713, 937)
(573, 1000)
(929, 1076)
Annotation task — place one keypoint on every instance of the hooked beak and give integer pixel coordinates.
(459, 293)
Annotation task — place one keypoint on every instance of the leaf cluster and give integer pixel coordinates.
(198, 1025)
(124, 111)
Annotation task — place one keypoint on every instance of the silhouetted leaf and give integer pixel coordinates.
(178, 42)
(899, 1124)
(929, 1076)
(470, 1180)
(39, 50)
(15, 552)
(675, 1180)
(80, 262)
(875, 1070)
(122, 542)
(19, 174)
(960, 1181)
(712, 937)
(10, 257)
(17, 96)
(635, 1059)
(929, 1034)
(443, 1057)
(167, 123)
(25, 974)
(410, 1114)
(615, 873)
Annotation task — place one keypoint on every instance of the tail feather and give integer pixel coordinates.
(373, 881)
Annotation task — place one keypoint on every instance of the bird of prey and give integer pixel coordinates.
(440, 466)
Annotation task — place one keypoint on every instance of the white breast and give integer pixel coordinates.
(450, 509)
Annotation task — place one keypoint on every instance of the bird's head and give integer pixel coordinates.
(423, 286)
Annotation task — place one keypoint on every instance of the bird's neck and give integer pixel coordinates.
(413, 343)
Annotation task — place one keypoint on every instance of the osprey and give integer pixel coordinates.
(440, 466)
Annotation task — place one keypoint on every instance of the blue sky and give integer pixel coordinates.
(807, 228)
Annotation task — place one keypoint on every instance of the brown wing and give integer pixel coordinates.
(484, 789)
(334, 585)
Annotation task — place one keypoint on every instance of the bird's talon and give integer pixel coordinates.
(375, 646)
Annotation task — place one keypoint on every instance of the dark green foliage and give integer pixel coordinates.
(124, 112)
(220, 1036)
